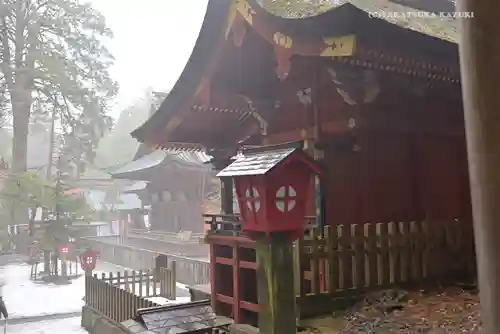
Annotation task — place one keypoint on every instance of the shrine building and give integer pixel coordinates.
(374, 102)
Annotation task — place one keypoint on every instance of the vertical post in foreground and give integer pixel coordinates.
(480, 68)
(276, 293)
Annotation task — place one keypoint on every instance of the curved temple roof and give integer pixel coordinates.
(309, 36)
(155, 158)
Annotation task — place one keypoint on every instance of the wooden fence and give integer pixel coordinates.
(150, 283)
(185, 243)
(344, 261)
(189, 271)
(112, 301)
(354, 259)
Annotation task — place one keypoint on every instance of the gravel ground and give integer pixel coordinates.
(450, 311)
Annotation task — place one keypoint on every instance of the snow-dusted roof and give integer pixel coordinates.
(129, 202)
(157, 157)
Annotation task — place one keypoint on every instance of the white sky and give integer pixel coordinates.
(153, 41)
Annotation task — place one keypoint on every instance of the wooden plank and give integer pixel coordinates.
(405, 252)
(333, 263)
(133, 283)
(383, 263)
(236, 284)
(296, 268)
(301, 259)
(345, 267)
(125, 274)
(155, 285)
(416, 251)
(426, 250)
(315, 279)
(173, 280)
(371, 255)
(147, 283)
(109, 297)
(394, 252)
(358, 240)
(435, 239)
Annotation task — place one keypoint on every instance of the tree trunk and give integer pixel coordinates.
(21, 107)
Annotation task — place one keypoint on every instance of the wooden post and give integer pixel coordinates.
(227, 195)
(480, 69)
(221, 159)
(275, 284)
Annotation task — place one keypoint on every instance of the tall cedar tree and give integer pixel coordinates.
(52, 52)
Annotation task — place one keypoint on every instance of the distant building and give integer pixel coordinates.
(174, 185)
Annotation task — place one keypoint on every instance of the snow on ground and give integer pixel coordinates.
(60, 326)
(25, 298)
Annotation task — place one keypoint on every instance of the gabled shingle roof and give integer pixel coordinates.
(158, 157)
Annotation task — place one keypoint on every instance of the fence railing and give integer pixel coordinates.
(189, 271)
(183, 243)
(231, 225)
(112, 301)
(347, 260)
(150, 283)
(184, 237)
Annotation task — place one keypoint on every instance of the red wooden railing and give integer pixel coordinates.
(233, 268)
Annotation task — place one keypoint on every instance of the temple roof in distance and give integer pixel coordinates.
(157, 157)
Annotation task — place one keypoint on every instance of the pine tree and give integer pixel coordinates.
(52, 53)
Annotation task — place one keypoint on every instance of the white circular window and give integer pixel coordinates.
(252, 198)
(285, 198)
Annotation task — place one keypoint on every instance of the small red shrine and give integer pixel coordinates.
(65, 250)
(272, 187)
(376, 101)
(88, 260)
